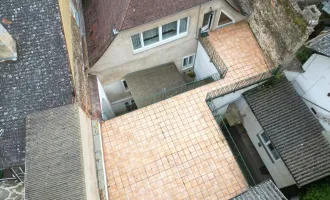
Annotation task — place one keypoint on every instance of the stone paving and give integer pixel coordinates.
(174, 149)
(11, 190)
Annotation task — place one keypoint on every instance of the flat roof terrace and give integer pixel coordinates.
(174, 149)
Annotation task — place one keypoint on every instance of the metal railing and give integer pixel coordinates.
(177, 90)
(214, 56)
(143, 102)
(241, 84)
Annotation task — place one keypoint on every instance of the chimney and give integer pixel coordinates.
(7, 46)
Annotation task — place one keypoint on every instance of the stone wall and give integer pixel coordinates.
(278, 27)
(11, 190)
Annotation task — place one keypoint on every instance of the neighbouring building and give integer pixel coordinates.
(277, 134)
(129, 36)
(266, 190)
(44, 62)
(313, 85)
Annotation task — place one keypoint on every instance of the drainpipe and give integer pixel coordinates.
(199, 13)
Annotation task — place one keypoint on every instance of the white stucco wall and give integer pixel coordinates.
(119, 59)
(106, 109)
(277, 170)
(91, 182)
(314, 85)
(203, 66)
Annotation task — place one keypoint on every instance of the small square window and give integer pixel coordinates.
(188, 62)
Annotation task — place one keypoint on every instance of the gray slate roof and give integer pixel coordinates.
(39, 79)
(266, 190)
(54, 157)
(148, 82)
(321, 43)
(293, 130)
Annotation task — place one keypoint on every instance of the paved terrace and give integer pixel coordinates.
(174, 149)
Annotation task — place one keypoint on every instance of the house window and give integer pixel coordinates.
(169, 30)
(130, 105)
(150, 36)
(125, 85)
(207, 21)
(160, 35)
(224, 20)
(188, 62)
(268, 146)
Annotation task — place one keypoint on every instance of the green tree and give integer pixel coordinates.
(317, 191)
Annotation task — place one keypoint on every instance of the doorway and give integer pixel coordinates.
(207, 21)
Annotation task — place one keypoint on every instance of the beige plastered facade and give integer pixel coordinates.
(67, 24)
(119, 59)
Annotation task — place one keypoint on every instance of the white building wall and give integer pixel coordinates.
(277, 169)
(314, 85)
(203, 65)
(106, 109)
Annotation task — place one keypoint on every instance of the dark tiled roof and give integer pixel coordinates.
(102, 16)
(293, 130)
(264, 191)
(39, 79)
(54, 157)
(321, 44)
(144, 11)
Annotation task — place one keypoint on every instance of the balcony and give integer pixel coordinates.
(234, 49)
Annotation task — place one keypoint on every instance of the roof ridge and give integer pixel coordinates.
(122, 21)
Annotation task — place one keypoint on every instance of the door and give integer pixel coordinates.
(207, 21)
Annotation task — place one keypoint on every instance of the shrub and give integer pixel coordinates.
(318, 191)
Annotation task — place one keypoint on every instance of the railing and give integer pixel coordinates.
(214, 56)
(143, 102)
(177, 90)
(241, 84)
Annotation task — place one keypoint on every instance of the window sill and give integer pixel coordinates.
(188, 68)
(160, 43)
(223, 25)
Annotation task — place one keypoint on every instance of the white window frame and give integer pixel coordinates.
(122, 82)
(266, 147)
(232, 20)
(161, 41)
(210, 23)
(189, 66)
